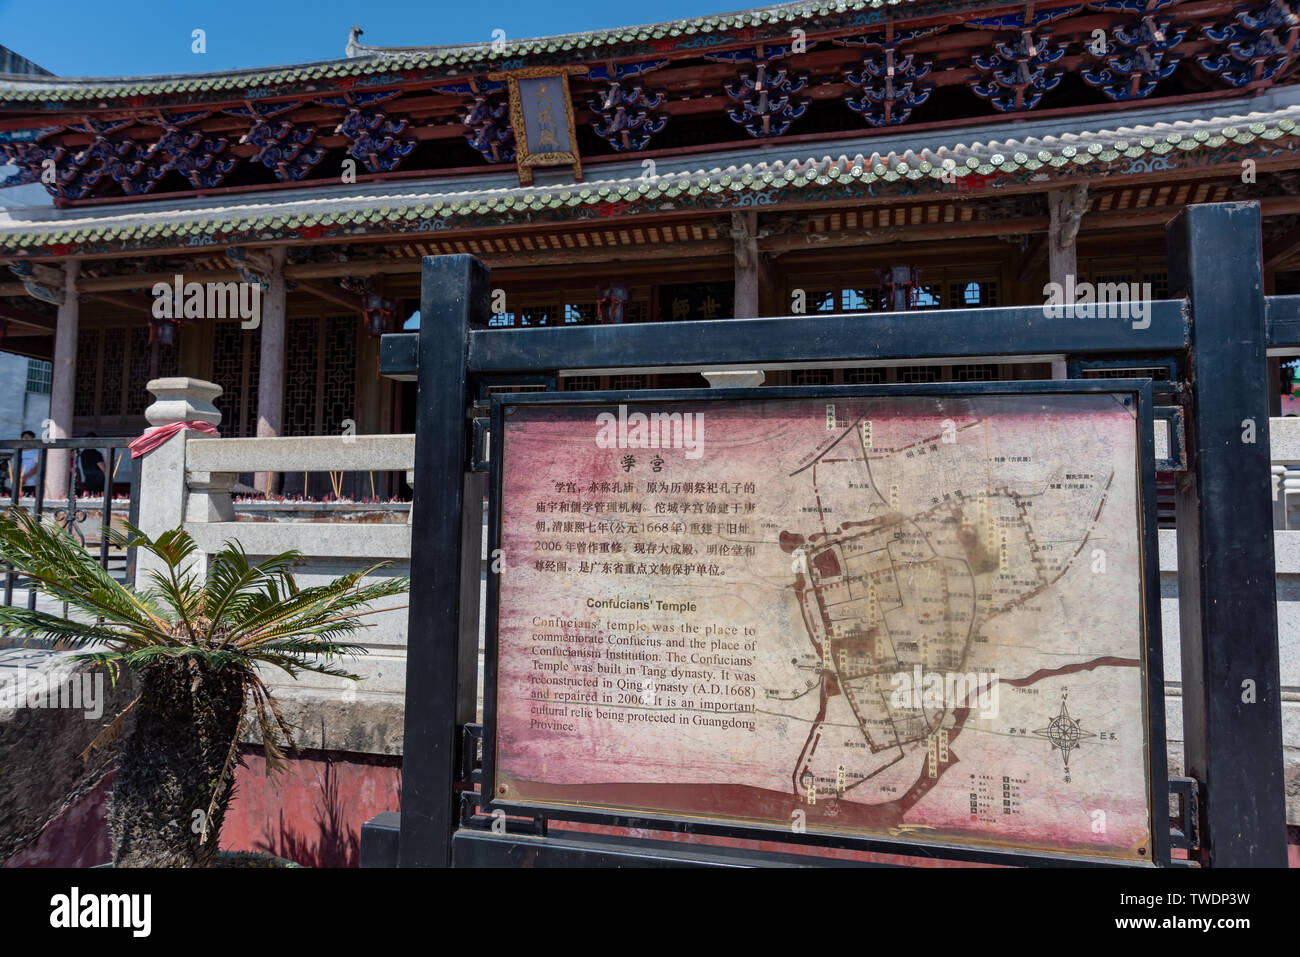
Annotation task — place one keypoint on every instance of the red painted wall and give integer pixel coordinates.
(76, 838)
(312, 814)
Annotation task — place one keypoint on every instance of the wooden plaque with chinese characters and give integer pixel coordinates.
(541, 114)
(876, 615)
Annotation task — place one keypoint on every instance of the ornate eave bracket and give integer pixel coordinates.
(765, 99)
(40, 282)
(1260, 45)
(624, 113)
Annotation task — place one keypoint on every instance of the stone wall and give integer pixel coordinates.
(41, 745)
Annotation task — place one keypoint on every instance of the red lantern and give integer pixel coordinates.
(379, 315)
(901, 285)
(162, 332)
(610, 302)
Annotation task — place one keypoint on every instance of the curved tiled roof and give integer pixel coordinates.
(376, 61)
(1147, 147)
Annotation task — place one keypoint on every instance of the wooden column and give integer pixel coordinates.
(63, 383)
(270, 373)
(744, 230)
(1065, 210)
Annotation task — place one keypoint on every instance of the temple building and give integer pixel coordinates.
(855, 156)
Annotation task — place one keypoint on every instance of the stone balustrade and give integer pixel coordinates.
(188, 481)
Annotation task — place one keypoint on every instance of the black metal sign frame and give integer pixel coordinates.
(1217, 331)
(1136, 393)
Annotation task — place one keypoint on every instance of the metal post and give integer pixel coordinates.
(453, 292)
(1227, 600)
(106, 513)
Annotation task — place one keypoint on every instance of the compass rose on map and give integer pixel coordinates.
(1064, 734)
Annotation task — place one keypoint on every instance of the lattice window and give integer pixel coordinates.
(141, 365)
(1130, 269)
(529, 307)
(1159, 284)
(864, 376)
(811, 376)
(301, 355)
(543, 314)
(579, 312)
(338, 389)
(1129, 372)
(974, 294)
(927, 296)
(235, 361)
(918, 374)
(547, 314)
(975, 373)
(582, 383)
(253, 347)
(228, 372)
(112, 368)
(138, 376)
(320, 374)
(865, 299)
(169, 363)
(505, 389)
(1123, 280)
(940, 288)
(83, 402)
(627, 382)
(822, 300)
(39, 376)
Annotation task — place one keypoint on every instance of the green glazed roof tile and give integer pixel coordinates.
(963, 160)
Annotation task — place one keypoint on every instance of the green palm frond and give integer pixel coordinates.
(321, 609)
(235, 584)
(242, 615)
(40, 626)
(65, 571)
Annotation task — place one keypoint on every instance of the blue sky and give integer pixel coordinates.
(146, 37)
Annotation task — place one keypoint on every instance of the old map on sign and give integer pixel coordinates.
(909, 616)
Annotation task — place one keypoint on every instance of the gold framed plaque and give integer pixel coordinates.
(541, 114)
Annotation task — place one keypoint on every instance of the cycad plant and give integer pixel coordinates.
(194, 644)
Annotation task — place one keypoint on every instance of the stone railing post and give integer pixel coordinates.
(164, 496)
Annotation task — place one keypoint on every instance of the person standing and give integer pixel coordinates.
(28, 468)
(91, 464)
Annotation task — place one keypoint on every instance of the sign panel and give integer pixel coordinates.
(875, 615)
(696, 300)
(541, 115)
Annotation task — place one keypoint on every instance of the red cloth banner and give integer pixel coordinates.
(157, 435)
